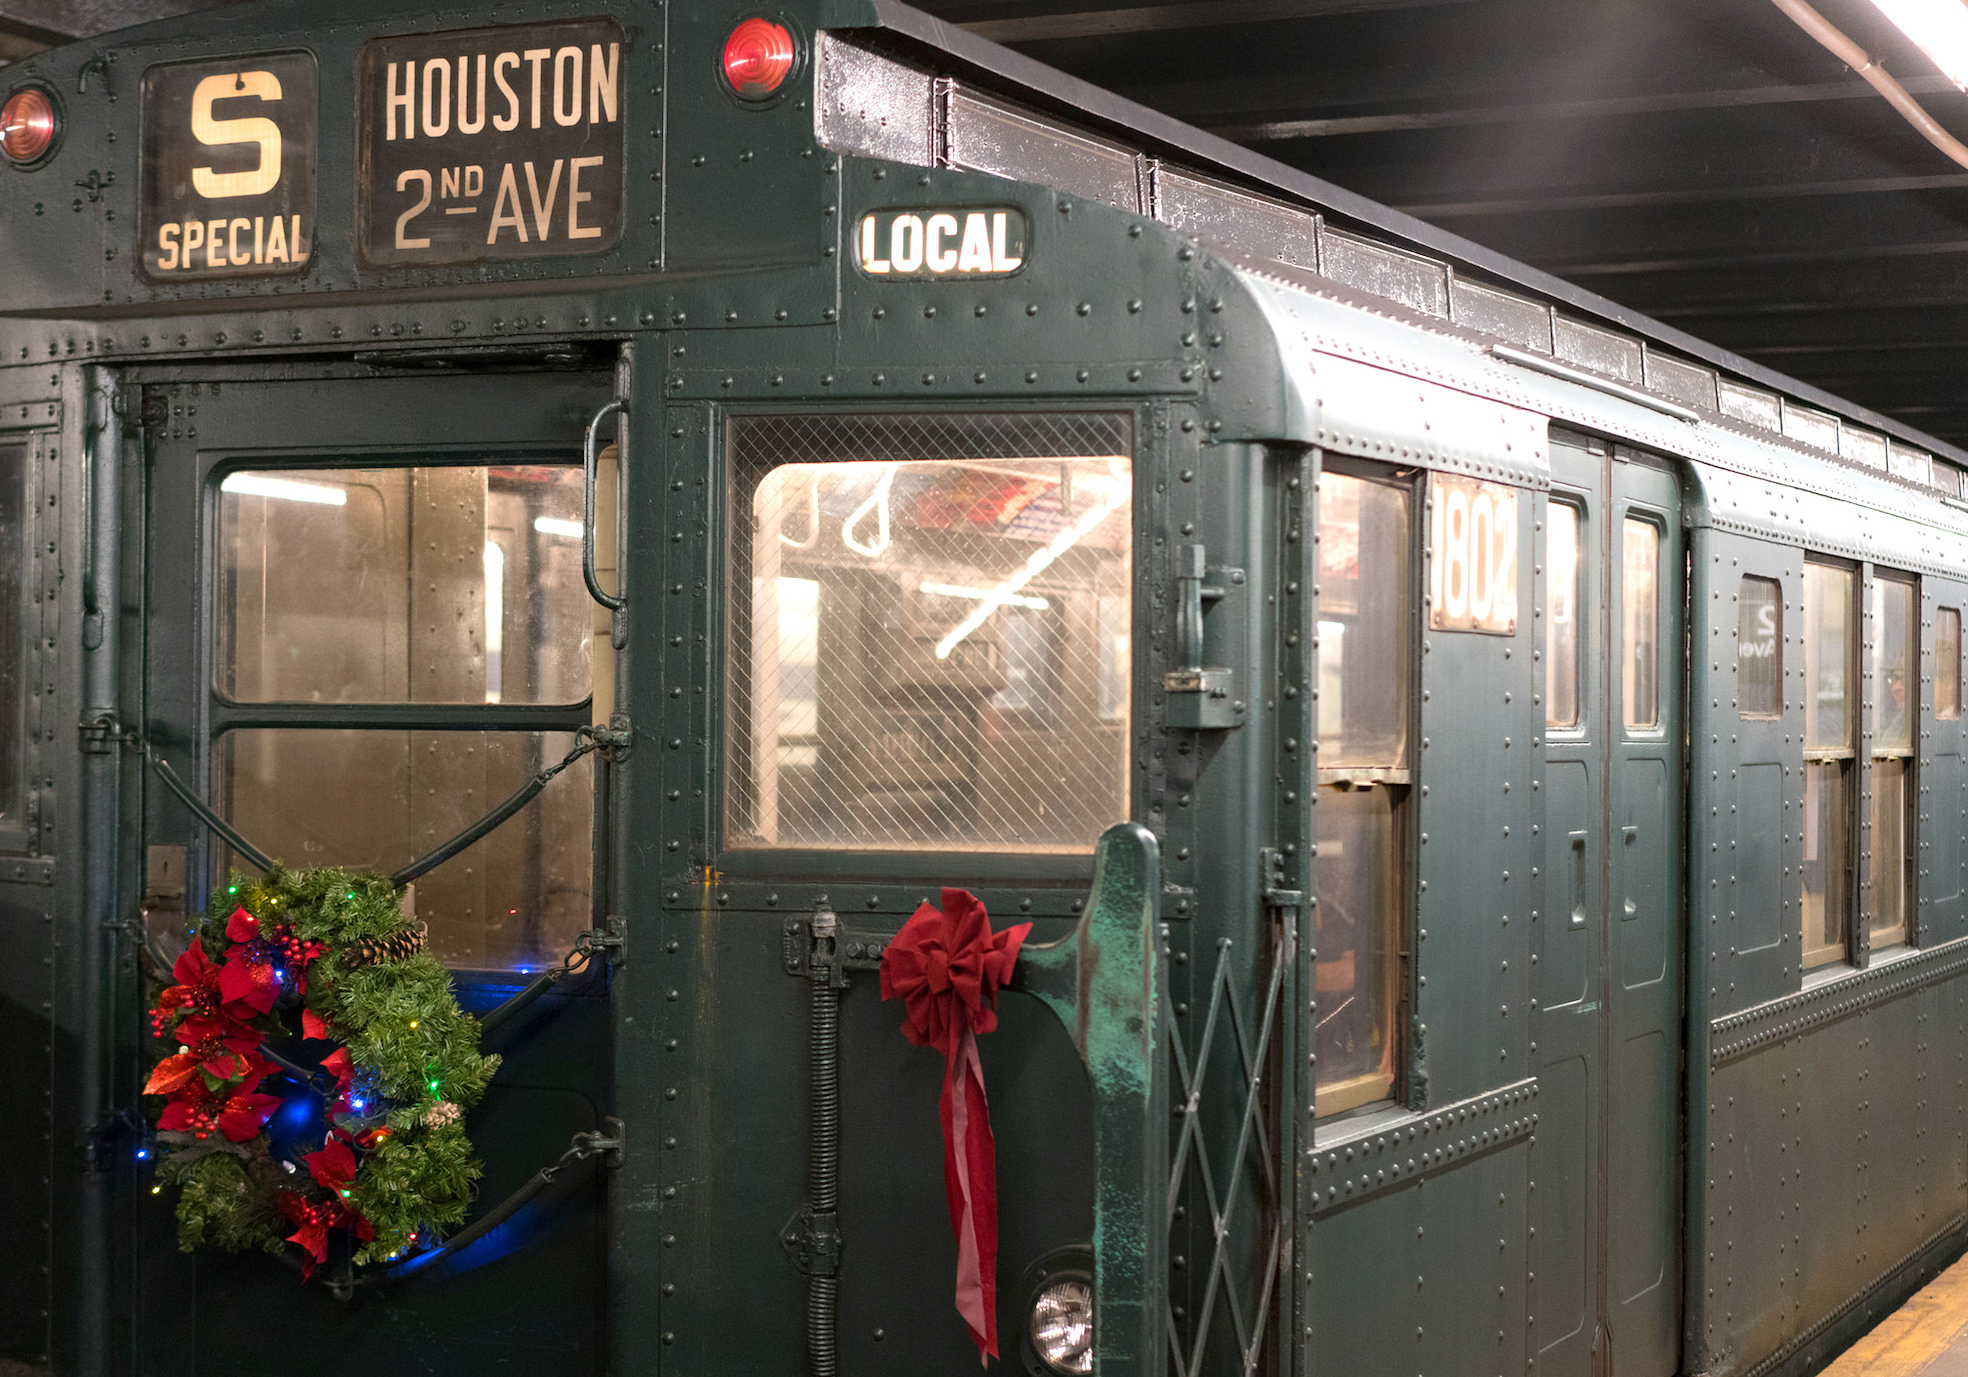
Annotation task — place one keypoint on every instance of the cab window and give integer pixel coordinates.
(928, 634)
(343, 593)
(1366, 597)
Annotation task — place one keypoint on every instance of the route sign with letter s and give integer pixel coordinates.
(228, 167)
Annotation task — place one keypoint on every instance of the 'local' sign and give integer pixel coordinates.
(985, 241)
(491, 143)
(228, 167)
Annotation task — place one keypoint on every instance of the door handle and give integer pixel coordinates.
(1578, 879)
(1630, 836)
(590, 457)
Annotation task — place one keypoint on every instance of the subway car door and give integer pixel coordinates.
(1645, 576)
(365, 626)
(1607, 1208)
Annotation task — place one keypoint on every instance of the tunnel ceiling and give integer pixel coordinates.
(1703, 161)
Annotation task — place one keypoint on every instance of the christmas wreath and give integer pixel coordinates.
(321, 1071)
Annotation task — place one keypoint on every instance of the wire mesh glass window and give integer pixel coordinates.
(928, 631)
(13, 635)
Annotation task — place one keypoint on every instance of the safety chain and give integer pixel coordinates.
(595, 1143)
(102, 734)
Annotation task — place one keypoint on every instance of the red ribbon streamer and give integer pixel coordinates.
(947, 969)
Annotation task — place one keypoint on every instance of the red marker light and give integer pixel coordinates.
(27, 125)
(758, 57)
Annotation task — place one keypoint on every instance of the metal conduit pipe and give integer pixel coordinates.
(96, 1014)
(823, 1163)
(1867, 66)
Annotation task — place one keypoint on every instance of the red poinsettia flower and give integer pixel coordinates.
(313, 1025)
(333, 1167)
(312, 1220)
(251, 974)
(243, 1116)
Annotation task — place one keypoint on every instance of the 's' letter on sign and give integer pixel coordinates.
(228, 167)
(490, 143)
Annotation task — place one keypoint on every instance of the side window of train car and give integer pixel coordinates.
(929, 645)
(1893, 654)
(1366, 630)
(1640, 627)
(1830, 782)
(342, 591)
(13, 633)
(1561, 616)
(1759, 648)
(1947, 663)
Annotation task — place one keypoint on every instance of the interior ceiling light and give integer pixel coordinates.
(1939, 28)
(1944, 20)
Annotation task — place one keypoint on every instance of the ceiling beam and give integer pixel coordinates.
(1674, 196)
(1608, 107)
(1191, 14)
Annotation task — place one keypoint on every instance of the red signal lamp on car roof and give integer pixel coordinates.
(27, 126)
(758, 57)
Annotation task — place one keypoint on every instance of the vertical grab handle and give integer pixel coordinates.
(590, 455)
(1190, 567)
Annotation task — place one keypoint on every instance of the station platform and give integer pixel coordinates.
(1926, 1337)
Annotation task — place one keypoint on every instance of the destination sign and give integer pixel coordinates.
(490, 144)
(980, 241)
(228, 168)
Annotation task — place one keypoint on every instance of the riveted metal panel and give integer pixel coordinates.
(1818, 429)
(1942, 912)
(1617, 356)
(1236, 219)
(870, 104)
(1863, 447)
(1510, 317)
(1680, 381)
(987, 136)
(1751, 405)
(1414, 281)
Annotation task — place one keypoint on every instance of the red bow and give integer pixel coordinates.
(947, 968)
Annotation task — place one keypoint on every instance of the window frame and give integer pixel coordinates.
(220, 715)
(1405, 841)
(742, 865)
(1876, 580)
(1657, 728)
(1579, 503)
(1776, 649)
(1954, 669)
(1846, 757)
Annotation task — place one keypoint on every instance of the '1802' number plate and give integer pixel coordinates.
(490, 143)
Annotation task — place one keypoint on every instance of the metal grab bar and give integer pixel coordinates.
(590, 457)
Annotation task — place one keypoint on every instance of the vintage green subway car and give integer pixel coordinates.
(1484, 770)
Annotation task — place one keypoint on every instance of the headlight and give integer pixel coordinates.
(1062, 1324)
